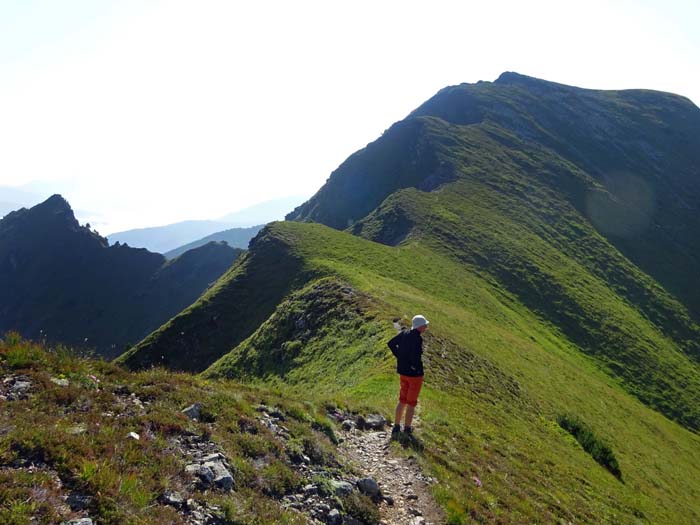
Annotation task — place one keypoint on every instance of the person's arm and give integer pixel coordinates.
(393, 345)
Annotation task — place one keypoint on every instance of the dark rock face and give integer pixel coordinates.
(62, 282)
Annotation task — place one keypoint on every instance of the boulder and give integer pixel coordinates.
(203, 472)
(341, 488)
(222, 477)
(369, 487)
(375, 422)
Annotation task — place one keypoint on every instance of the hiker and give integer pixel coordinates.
(407, 347)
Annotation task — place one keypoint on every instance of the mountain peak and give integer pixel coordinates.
(55, 208)
(511, 77)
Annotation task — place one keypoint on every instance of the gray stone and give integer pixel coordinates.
(81, 521)
(277, 413)
(203, 472)
(389, 500)
(193, 411)
(310, 490)
(368, 486)
(341, 488)
(349, 520)
(217, 456)
(21, 387)
(418, 520)
(60, 381)
(375, 422)
(334, 518)
(347, 424)
(172, 498)
(77, 501)
(133, 435)
(222, 477)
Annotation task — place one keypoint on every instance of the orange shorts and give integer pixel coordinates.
(410, 388)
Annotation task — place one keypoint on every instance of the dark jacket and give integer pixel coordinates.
(407, 346)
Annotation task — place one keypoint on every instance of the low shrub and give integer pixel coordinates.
(598, 449)
(361, 507)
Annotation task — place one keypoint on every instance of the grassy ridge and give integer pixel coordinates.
(498, 377)
(626, 160)
(547, 233)
(224, 315)
(72, 438)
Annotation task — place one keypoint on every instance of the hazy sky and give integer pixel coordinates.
(147, 112)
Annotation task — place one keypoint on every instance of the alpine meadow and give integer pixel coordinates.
(551, 235)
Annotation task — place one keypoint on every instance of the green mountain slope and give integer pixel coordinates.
(225, 314)
(628, 161)
(498, 377)
(61, 282)
(555, 287)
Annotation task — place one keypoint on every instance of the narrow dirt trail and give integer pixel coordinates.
(406, 490)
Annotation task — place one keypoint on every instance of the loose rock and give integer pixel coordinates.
(172, 498)
(369, 487)
(77, 501)
(193, 411)
(222, 477)
(341, 488)
(334, 518)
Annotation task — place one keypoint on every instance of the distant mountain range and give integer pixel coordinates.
(161, 239)
(173, 237)
(12, 199)
(551, 234)
(235, 237)
(264, 212)
(62, 282)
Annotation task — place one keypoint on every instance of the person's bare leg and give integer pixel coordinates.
(409, 415)
(399, 413)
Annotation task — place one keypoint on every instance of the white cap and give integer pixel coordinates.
(418, 321)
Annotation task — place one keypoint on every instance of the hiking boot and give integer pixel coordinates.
(395, 430)
(408, 430)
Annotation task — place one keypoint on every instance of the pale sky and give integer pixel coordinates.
(148, 112)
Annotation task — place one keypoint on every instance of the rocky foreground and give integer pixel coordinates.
(84, 442)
